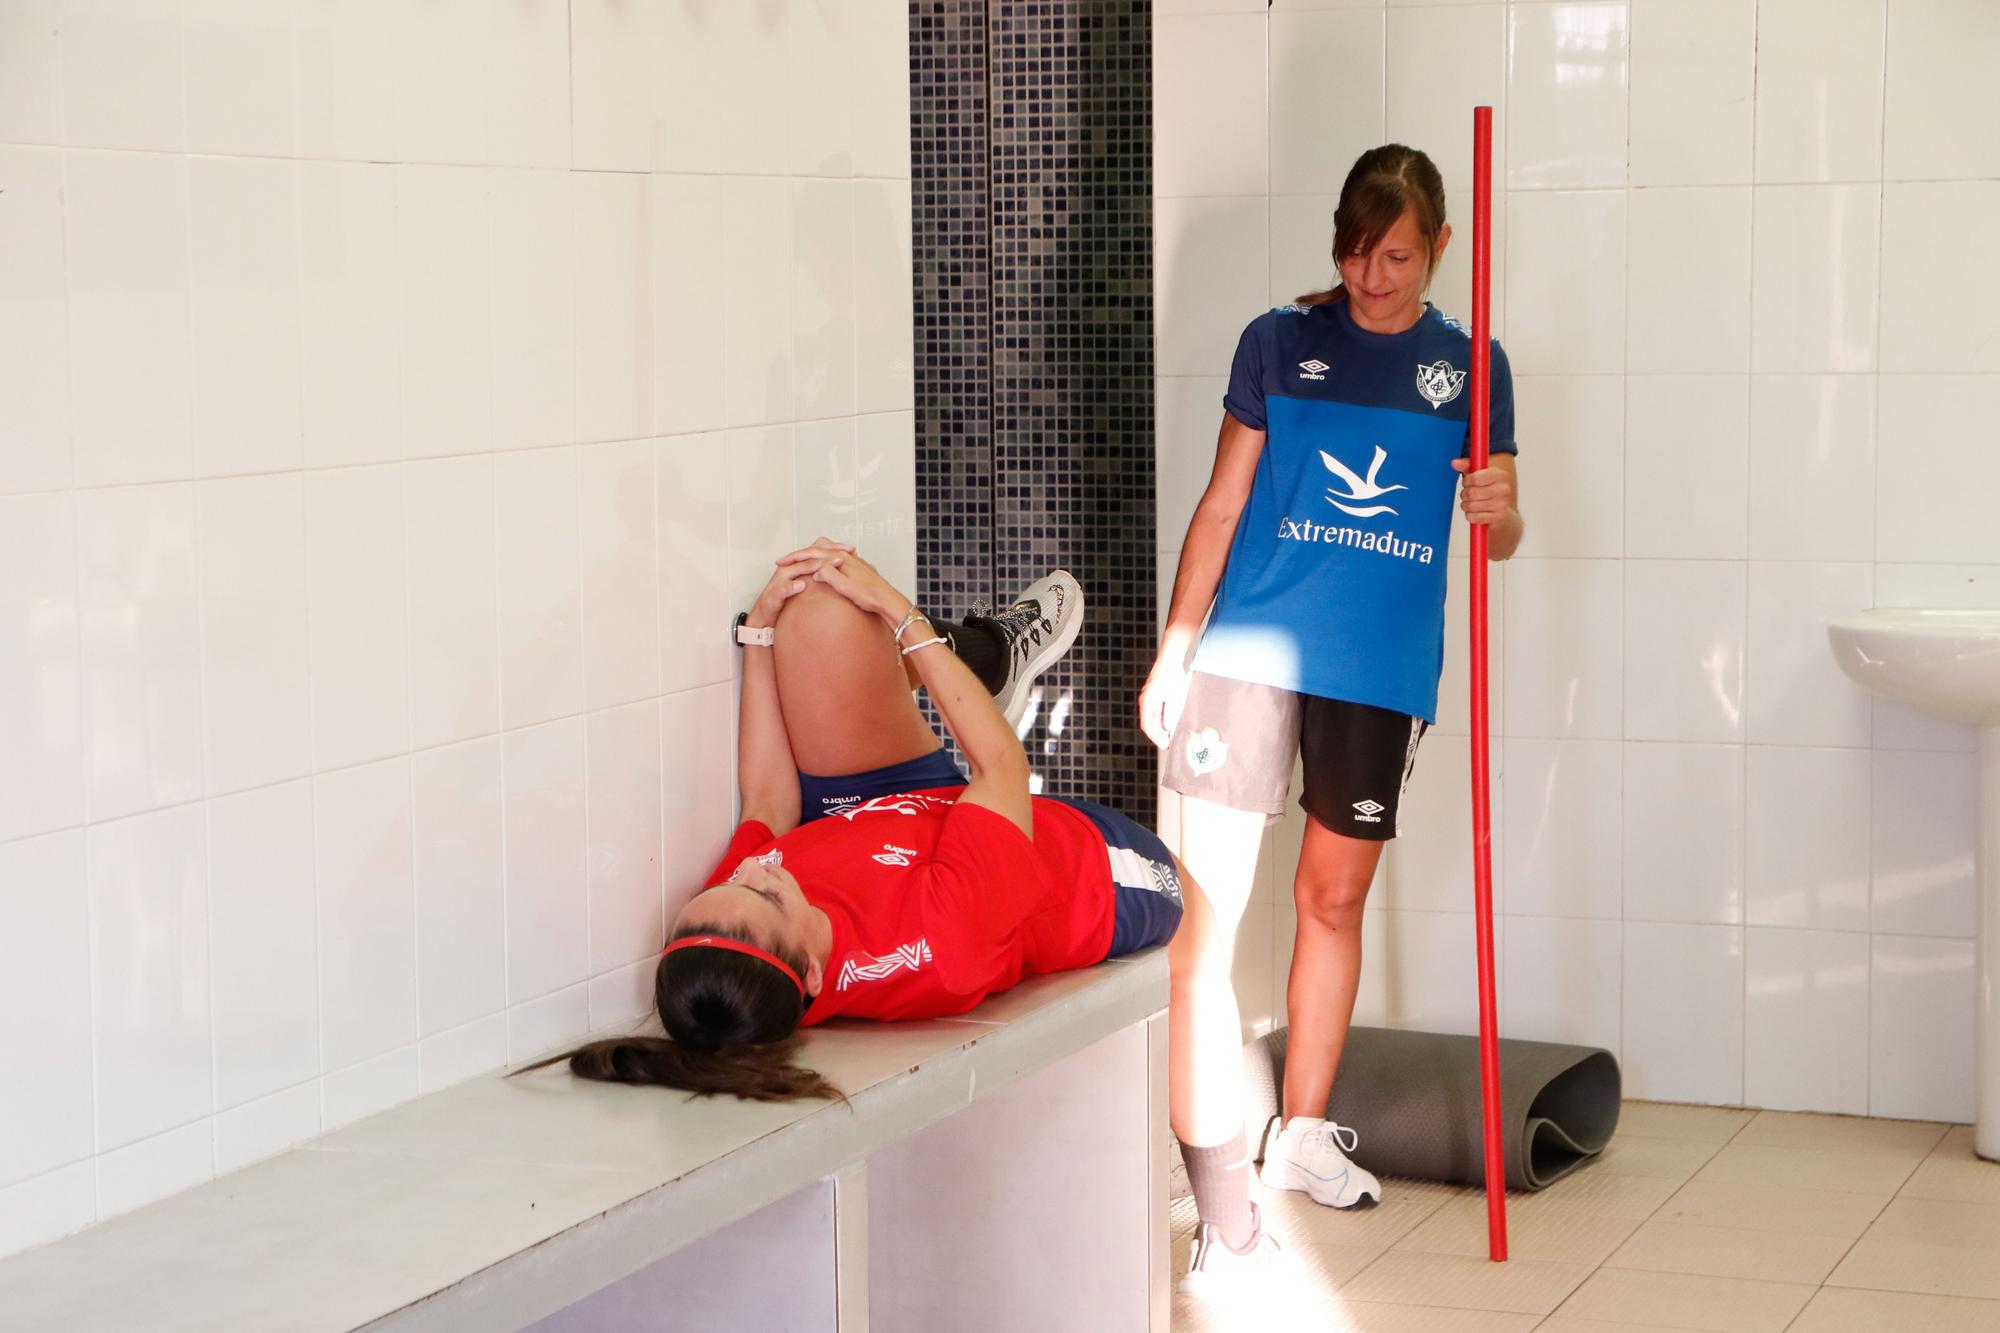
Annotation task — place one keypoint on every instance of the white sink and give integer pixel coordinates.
(1947, 663)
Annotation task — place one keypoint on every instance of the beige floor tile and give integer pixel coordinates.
(1843, 1310)
(1561, 1237)
(1772, 1208)
(1182, 1215)
(1767, 1256)
(1586, 1192)
(1808, 1169)
(1940, 1222)
(1350, 1316)
(1296, 1219)
(1966, 1179)
(1890, 1263)
(1669, 1120)
(1560, 1323)
(1842, 1133)
(1673, 1300)
(1519, 1286)
(1957, 1144)
(1665, 1159)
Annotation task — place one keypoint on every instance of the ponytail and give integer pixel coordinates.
(732, 1027)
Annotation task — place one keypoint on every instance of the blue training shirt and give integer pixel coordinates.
(1336, 577)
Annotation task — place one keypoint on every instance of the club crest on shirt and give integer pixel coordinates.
(1439, 383)
(1206, 751)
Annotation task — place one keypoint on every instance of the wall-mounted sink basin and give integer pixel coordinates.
(1947, 663)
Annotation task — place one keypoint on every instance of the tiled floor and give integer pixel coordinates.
(1694, 1218)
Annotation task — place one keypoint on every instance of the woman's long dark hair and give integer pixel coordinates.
(1384, 184)
(732, 1026)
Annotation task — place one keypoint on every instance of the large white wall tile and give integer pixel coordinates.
(350, 307)
(150, 1013)
(528, 84)
(1464, 49)
(125, 219)
(266, 1127)
(1920, 1025)
(1301, 248)
(255, 659)
(1451, 285)
(346, 1095)
(1454, 701)
(532, 282)
(1564, 829)
(759, 367)
(1684, 833)
(613, 47)
(45, 1006)
(460, 882)
(34, 314)
(31, 38)
(443, 217)
(1684, 649)
(242, 76)
(1573, 465)
(1568, 71)
(819, 38)
(1940, 81)
(1188, 412)
(141, 619)
(687, 225)
(1565, 263)
(1403, 986)
(1429, 865)
(1798, 695)
(443, 80)
(1819, 89)
(827, 480)
(1209, 98)
(885, 447)
(547, 1023)
(823, 298)
(1921, 330)
(41, 725)
(695, 603)
(626, 875)
(1932, 431)
(1562, 980)
(367, 914)
(762, 481)
(535, 505)
(1693, 70)
(1805, 1000)
(884, 355)
(619, 573)
(1209, 279)
(1689, 288)
(695, 736)
(1326, 104)
(1687, 465)
(244, 244)
(351, 56)
(359, 621)
(722, 103)
(1683, 1023)
(135, 1176)
(1924, 828)
(1564, 649)
(263, 921)
(48, 1206)
(614, 307)
(547, 902)
(1812, 467)
(1813, 289)
(879, 86)
(1807, 856)
(453, 589)
(455, 1056)
(123, 75)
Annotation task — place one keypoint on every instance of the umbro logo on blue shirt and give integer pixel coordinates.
(1314, 369)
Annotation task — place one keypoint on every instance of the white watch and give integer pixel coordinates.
(760, 636)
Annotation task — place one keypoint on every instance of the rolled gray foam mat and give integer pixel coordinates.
(1413, 1098)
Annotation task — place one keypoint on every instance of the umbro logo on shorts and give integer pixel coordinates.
(1369, 812)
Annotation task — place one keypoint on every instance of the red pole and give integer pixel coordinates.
(1482, 816)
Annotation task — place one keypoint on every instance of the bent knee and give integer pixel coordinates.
(1333, 904)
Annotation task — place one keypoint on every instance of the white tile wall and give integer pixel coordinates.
(394, 402)
(1753, 390)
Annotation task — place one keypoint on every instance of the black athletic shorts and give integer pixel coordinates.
(1236, 744)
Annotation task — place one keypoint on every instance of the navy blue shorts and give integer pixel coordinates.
(820, 797)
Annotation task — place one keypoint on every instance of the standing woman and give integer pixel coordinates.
(1318, 556)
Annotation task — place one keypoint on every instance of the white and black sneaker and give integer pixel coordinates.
(1220, 1276)
(1037, 629)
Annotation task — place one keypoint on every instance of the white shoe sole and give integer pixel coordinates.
(1344, 1191)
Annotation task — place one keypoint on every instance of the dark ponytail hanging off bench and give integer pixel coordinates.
(732, 1027)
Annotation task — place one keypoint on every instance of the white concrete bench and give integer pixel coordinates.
(1002, 1171)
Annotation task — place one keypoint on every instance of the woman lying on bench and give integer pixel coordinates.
(899, 890)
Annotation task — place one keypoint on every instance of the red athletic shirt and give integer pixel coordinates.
(936, 905)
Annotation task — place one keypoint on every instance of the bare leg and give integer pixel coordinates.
(1204, 1029)
(1329, 890)
(842, 689)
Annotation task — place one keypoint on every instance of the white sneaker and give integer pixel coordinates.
(1038, 628)
(1221, 1275)
(1309, 1154)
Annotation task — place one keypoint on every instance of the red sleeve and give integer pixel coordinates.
(751, 836)
(983, 882)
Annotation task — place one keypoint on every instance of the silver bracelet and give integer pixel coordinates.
(910, 617)
(925, 644)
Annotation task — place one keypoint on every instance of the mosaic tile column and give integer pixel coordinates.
(1032, 199)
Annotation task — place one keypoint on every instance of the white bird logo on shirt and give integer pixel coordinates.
(1358, 488)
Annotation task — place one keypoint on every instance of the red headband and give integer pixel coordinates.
(738, 946)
